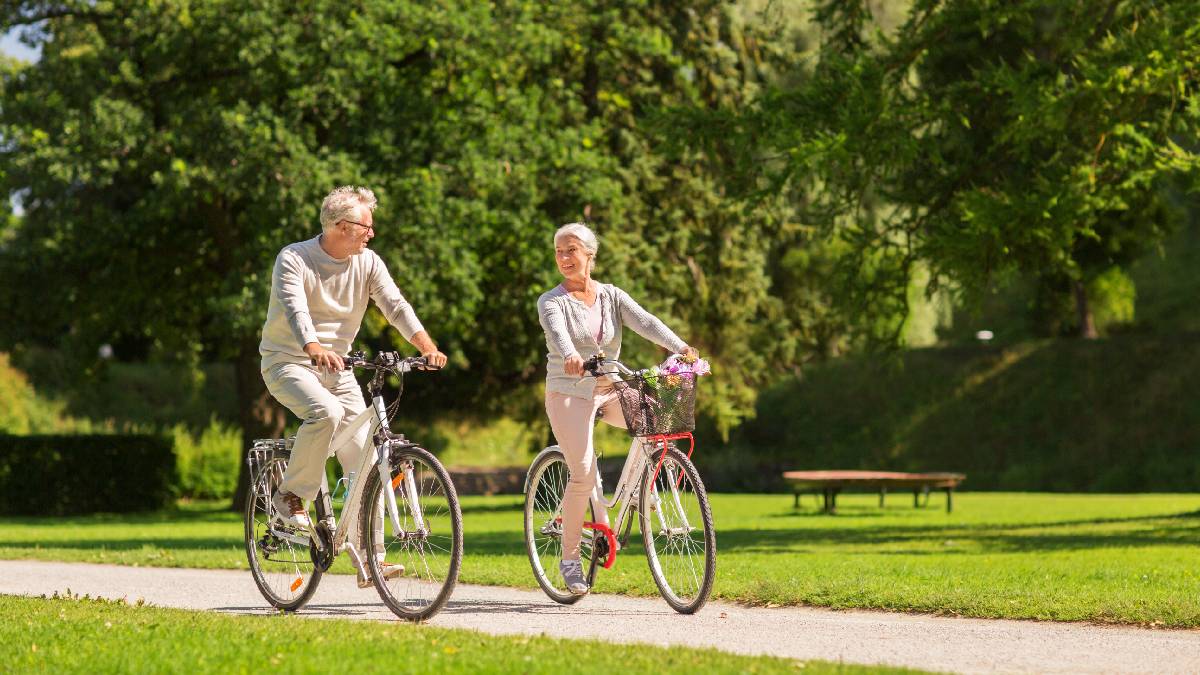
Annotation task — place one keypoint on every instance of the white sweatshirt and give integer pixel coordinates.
(318, 298)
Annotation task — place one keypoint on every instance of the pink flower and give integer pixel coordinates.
(677, 366)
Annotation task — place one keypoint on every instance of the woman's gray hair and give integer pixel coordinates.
(585, 236)
(581, 232)
(339, 205)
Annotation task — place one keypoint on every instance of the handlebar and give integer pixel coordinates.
(596, 362)
(389, 361)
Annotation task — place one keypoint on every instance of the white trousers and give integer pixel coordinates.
(321, 399)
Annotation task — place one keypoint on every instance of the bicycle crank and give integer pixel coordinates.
(321, 551)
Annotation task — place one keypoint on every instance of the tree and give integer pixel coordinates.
(987, 138)
(164, 153)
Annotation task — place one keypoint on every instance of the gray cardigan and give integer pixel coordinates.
(565, 320)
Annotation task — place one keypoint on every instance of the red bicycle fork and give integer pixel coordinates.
(664, 439)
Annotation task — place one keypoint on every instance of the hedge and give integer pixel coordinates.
(62, 475)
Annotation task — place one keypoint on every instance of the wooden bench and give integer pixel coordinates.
(830, 483)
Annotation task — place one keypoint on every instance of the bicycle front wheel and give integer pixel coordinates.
(428, 542)
(544, 492)
(677, 528)
(282, 566)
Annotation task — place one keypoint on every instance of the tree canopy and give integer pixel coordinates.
(983, 138)
(164, 152)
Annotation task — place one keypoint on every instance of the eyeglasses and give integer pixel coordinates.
(369, 228)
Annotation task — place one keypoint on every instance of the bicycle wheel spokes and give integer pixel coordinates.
(543, 525)
(283, 568)
(428, 543)
(678, 533)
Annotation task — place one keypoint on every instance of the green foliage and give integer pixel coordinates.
(24, 411)
(1115, 415)
(58, 475)
(207, 465)
(984, 138)
(167, 151)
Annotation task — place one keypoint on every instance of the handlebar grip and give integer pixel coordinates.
(592, 365)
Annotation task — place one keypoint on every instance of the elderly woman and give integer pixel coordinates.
(582, 317)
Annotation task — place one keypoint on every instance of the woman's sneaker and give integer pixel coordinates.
(572, 574)
(289, 509)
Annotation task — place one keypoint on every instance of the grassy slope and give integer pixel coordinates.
(1110, 558)
(1118, 414)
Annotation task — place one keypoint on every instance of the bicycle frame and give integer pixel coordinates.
(379, 440)
(629, 484)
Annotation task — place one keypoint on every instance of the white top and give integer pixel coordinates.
(595, 318)
(318, 298)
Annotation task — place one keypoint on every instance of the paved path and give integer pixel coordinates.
(931, 643)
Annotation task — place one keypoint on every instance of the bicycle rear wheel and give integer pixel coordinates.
(543, 525)
(429, 541)
(677, 528)
(282, 567)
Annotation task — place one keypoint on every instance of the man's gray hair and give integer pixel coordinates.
(339, 205)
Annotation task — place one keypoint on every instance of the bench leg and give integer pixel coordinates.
(796, 501)
(916, 499)
(949, 500)
(882, 494)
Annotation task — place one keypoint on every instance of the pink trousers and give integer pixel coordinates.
(572, 420)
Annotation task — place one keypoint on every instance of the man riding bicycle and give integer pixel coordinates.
(320, 289)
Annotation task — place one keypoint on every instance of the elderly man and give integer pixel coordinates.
(319, 292)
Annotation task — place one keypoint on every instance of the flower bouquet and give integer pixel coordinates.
(662, 399)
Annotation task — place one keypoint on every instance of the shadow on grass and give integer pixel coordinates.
(122, 544)
(1170, 530)
(513, 507)
(210, 513)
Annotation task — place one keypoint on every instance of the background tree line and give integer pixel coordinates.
(778, 181)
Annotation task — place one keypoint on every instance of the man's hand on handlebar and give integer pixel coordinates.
(434, 359)
(323, 358)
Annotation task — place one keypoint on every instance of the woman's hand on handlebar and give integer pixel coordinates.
(573, 365)
(323, 358)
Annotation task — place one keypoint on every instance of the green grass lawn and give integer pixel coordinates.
(78, 635)
(1107, 558)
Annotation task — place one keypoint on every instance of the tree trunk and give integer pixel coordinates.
(1087, 322)
(258, 413)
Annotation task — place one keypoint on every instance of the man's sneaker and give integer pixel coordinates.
(572, 574)
(289, 509)
(390, 571)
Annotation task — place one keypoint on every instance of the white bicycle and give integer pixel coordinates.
(416, 521)
(658, 482)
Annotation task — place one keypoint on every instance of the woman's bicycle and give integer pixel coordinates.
(658, 482)
(413, 519)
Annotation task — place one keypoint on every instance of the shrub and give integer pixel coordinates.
(207, 465)
(61, 475)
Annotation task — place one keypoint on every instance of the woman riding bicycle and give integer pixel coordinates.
(582, 317)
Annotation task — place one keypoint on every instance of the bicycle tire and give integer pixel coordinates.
(432, 558)
(544, 490)
(668, 547)
(271, 575)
